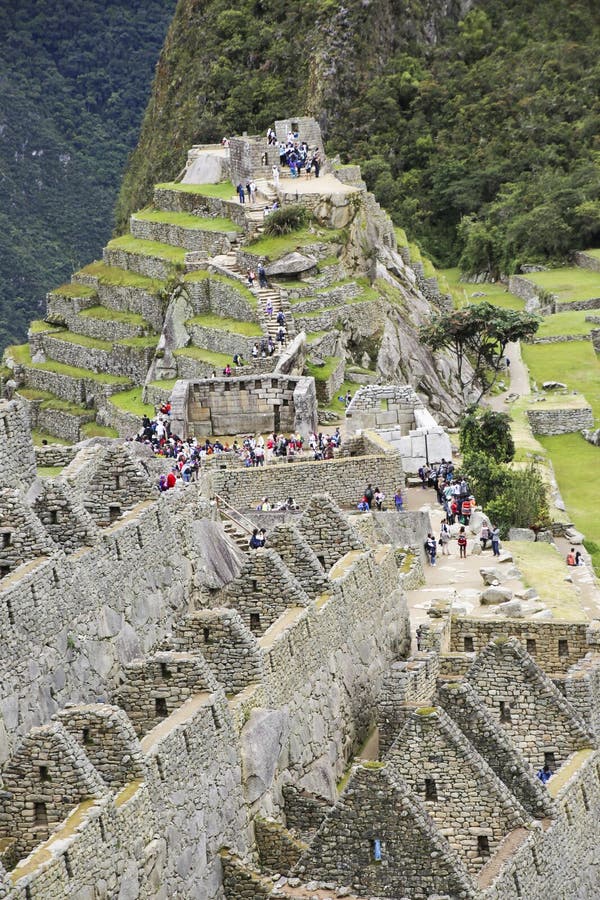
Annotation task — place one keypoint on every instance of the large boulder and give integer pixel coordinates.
(512, 608)
(493, 595)
(262, 740)
(291, 264)
(521, 534)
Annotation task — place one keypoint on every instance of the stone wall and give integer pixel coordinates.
(142, 263)
(54, 455)
(586, 261)
(193, 239)
(222, 296)
(344, 479)
(328, 387)
(560, 421)
(555, 646)
(17, 459)
(196, 204)
(595, 336)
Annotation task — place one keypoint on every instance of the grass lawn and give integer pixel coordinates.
(168, 384)
(569, 283)
(187, 220)
(131, 402)
(38, 326)
(48, 471)
(233, 283)
(51, 401)
(566, 323)
(118, 277)
(401, 236)
(224, 190)
(274, 247)
(338, 406)
(140, 343)
(92, 429)
(129, 244)
(237, 326)
(575, 462)
(39, 437)
(462, 291)
(543, 568)
(21, 355)
(218, 360)
(113, 315)
(573, 363)
(72, 289)
(83, 340)
(313, 336)
(322, 373)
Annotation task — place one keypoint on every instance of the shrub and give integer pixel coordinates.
(523, 502)
(488, 432)
(287, 219)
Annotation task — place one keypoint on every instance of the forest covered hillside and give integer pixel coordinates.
(75, 78)
(477, 123)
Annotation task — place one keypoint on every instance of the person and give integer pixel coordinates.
(462, 543)
(419, 634)
(369, 495)
(544, 774)
(444, 538)
(281, 336)
(275, 171)
(379, 497)
(262, 277)
(262, 537)
(430, 548)
(578, 559)
(255, 350)
(252, 187)
(398, 500)
(571, 557)
(10, 388)
(265, 506)
(268, 305)
(240, 190)
(227, 370)
(495, 536)
(281, 317)
(363, 505)
(172, 478)
(484, 536)
(348, 398)
(254, 542)
(251, 277)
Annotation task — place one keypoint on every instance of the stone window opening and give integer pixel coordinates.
(505, 715)
(206, 635)
(114, 511)
(6, 539)
(518, 891)
(40, 813)
(86, 736)
(102, 829)
(159, 766)
(469, 647)
(118, 482)
(53, 513)
(4, 570)
(216, 718)
(584, 797)
(550, 759)
(164, 671)
(44, 774)
(563, 647)
(186, 741)
(430, 789)
(569, 815)
(483, 845)
(531, 646)
(27, 892)
(254, 622)
(160, 708)
(376, 852)
(321, 559)
(68, 865)
(9, 610)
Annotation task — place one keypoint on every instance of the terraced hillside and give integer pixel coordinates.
(171, 300)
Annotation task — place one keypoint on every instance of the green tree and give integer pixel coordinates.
(477, 335)
(523, 502)
(487, 432)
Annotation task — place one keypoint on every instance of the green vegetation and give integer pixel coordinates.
(543, 568)
(322, 373)
(75, 80)
(574, 363)
(129, 244)
(139, 343)
(493, 292)
(83, 340)
(233, 283)
(274, 247)
(73, 289)
(487, 431)
(566, 323)
(92, 429)
(51, 401)
(187, 220)
(568, 284)
(22, 356)
(401, 236)
(118, 277)
(168, 384)
(40, 436)
(113, 315)
(211, 320)
(218, 360)
(132, 402)
(287, 220)
(224, 190)
(38, 326)
(338, 406)
(313, 336)
(48, 471)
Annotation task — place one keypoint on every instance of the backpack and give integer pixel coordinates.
(462, 541)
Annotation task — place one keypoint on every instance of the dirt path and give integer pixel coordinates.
(519, 379)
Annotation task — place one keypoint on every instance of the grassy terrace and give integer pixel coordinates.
(401, 237)
(168, 384)
(224, 190)
(51, 401)
(574, 363)
(566, 323)
(210, 320)
(114, 315)
(218, 360)
(39, 437)
(38, 326)
(322, 373)
(568, 284)
(462, 291)
(129, 244)
(83, 340)
(92, 429)
(543, 568)
(274, 247)
(187, 220)
(233, 283)
(131, 402)
(72, 289)
(21, 355)
(116, 277)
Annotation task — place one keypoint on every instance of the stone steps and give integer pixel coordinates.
(236, 533)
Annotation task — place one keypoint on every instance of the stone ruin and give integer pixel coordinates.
(398, 416)
(182, 718)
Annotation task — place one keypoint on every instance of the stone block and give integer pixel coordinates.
(493, 595)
